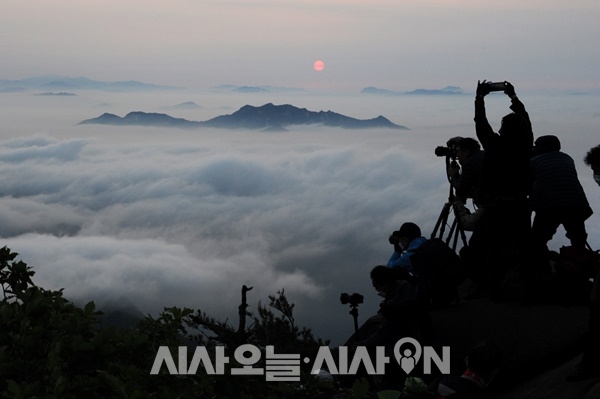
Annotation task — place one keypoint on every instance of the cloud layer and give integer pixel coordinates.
(159, 217)
(188, 224)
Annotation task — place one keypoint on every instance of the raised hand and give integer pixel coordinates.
(483, 88)
(509, 89)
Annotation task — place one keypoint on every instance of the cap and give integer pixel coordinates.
(546, 144)
(409, 230)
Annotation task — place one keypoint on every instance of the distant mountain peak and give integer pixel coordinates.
(251, 89)
(265, 117)
(80, 83)
(59, 94)
(257, 89)
(445, 91)
(269, 116)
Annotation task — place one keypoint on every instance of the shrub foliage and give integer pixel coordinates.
(51, 348)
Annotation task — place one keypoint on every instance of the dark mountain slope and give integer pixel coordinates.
(268, 116)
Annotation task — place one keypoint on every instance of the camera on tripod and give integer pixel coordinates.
(450, 150)
(352, 299)
(456, 229)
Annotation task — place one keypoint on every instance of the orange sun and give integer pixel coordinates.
(319, 65)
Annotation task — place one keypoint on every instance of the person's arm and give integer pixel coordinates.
(454, 175)
(400, 259)
(469, 178)
(519, 109)
(468, 220)
(484, 131)
(394, 258)
(516, 105)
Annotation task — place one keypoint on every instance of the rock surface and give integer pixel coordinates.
(540, 344)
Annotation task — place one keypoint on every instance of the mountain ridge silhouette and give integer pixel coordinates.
(265, 117)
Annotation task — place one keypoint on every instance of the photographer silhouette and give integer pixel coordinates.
(505, 185)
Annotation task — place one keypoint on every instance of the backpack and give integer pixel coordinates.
(439, 272)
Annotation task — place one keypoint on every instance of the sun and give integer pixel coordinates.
(319, 65)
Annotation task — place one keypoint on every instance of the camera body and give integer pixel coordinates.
(450, 149)
(449, 152)
(496, 86)
(352, 299)
(394, 238)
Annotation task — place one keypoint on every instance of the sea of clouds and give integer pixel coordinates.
(152, 217)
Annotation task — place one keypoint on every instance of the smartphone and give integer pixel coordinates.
(497, 86)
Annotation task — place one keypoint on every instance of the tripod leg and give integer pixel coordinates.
(453, 235)
(354, 313)
(442, 221)
(356, 327)
(459, 228)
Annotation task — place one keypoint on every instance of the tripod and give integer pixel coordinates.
(456, 228)
(354, 313)
(353, 300)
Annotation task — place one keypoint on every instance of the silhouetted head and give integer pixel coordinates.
(545, 144)
(380, 276)
(410, 231)
(469, 144)
(383, 276)
(592, 159)
(465, 147)
(514, 126)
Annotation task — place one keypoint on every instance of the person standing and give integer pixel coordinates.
(557, 197)
(589, 367)
(504, 189)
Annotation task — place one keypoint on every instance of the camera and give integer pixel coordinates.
(354, 299)
(496, 86)
(450, 149)
(445, 152)
(394, 238)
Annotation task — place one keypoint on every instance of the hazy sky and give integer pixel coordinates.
(395, 44)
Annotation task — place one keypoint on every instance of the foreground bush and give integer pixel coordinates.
(50, 348)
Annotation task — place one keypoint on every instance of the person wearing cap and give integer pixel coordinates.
(406, 241)
(557, 197)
